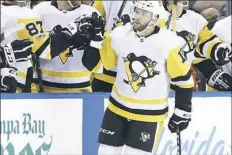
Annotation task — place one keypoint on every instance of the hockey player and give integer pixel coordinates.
(116, 14)
(221, 77)
(15, 14)
(147, 59)
(71, 70)
(194, 28)
(17, 51)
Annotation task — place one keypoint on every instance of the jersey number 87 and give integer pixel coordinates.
(32, 28)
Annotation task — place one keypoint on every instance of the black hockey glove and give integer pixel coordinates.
(8, 80)
(181, 117)
(220, 80)
(222, 54)
(81, 30)
(17, 51)
(81, 26)
(98, 30)
(121, 21)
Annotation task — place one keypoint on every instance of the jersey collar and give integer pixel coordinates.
(156, 30)
(183, 13)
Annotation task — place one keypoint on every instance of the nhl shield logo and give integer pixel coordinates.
(145, 137)
(138, 69)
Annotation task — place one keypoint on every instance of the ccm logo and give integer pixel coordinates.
(107, 131)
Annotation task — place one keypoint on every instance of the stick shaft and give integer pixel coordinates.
(178, 141)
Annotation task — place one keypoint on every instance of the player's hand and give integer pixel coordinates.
(220, 80)
(22, 49)
(98, 30)
(79, 32)
(179, 118)
(85, 24)
(98, 23)
(81, 26)
(125, 19)
(17, 51)
(8, 80)
(222, 54)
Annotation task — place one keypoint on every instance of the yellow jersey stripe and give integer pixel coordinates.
(65, 74)
(211, 46)
(35, 89)
(97, 67)
(158, 135)
(105, 78)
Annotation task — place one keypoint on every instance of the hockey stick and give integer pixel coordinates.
(36, 65)
(119, 14)
(10, 31)
(174, 15)
(178, 140)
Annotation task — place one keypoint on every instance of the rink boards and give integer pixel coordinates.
(68, 124)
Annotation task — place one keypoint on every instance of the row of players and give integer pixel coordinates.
(62, 74)
(147, 59)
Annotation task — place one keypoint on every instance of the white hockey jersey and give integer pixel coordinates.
(145, 68)
(189, 21)
(13, 16)
(64, 73)
(222, 29)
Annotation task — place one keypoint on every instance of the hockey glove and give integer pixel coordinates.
(81, 26)
(98, 30)
(17, 51)
(220, 80)
(222, 54)
(81, 30)
(8, 80)
(181, 117)
(122, 21)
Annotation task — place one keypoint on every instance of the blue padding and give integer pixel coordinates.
(93, 115)
(93, 95)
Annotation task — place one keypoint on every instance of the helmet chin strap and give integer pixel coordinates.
(151, 25)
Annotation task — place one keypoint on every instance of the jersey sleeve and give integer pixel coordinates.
(100, 7)
(179, 69)
(107, 52)
(207, 41)
(34, 31)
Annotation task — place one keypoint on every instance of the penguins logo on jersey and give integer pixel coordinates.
(65, 55)
(138, 69)
(190, 39)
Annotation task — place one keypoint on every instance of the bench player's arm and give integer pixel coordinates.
(46, 44)
(212, 47)
(107, 53)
